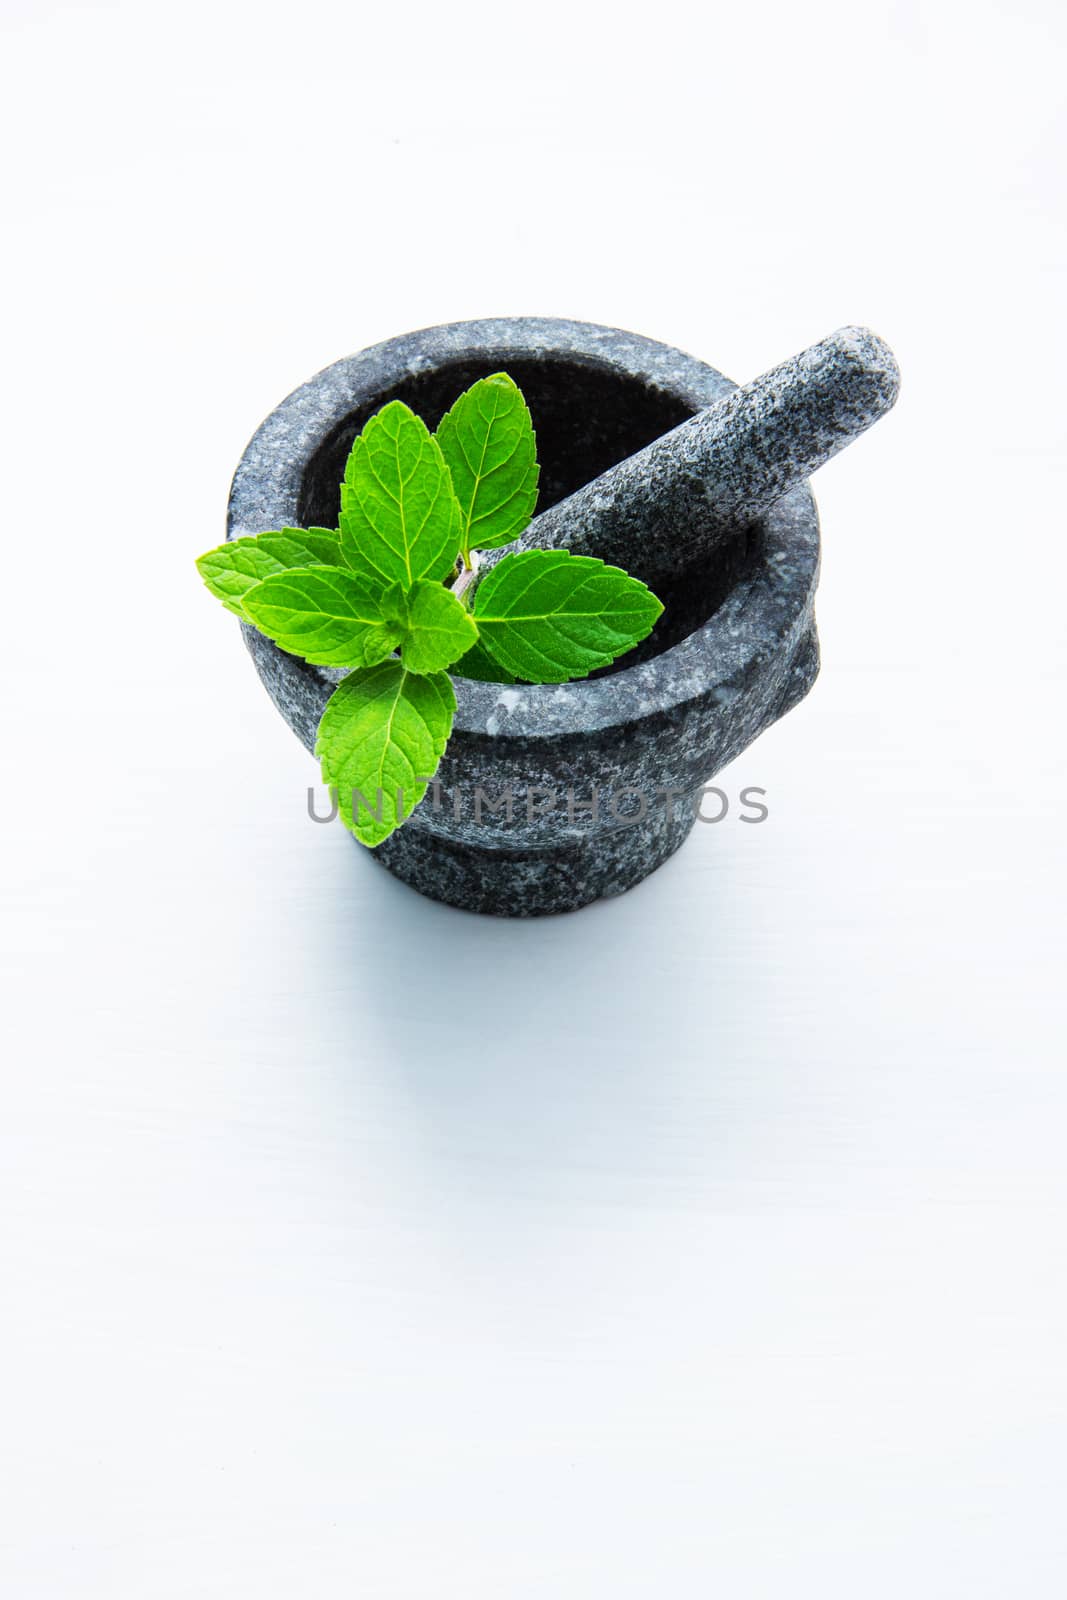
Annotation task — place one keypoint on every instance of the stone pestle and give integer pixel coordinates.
(670, 506)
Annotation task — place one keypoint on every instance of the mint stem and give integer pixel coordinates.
(466, 577)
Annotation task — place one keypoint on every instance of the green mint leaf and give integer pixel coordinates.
(400, 520)
(438, 628)
(325, 615)
(237, 566)
(383, 734)
(479, 665)
(548, 616)
(487, 439)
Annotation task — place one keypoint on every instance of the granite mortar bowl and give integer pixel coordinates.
(603, 774)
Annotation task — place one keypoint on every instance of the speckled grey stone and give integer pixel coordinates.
(677, 500)
(735, 648)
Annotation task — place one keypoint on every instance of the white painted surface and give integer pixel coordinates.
(710, 1242)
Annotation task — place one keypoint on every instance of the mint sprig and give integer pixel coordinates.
(375, 595)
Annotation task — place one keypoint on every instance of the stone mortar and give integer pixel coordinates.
(734, 650)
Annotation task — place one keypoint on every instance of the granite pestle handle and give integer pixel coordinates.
(669, 507)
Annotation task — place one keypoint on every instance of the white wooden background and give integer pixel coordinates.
(710, 1242)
